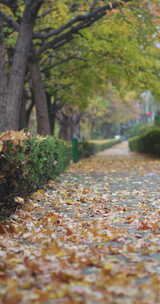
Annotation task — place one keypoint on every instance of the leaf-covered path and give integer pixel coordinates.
(93, 236)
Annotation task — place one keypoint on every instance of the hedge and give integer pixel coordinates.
(27, 162)
(134, 144)
(87, 149)
(149, 142)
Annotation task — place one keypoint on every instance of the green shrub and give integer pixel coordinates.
(157, 119)
(29, 162)
(46, 158)
(85, 149)
(149, 142)
(134, 144)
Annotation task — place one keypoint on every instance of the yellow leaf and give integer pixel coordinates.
(69, 202)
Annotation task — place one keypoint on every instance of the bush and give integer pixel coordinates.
(157, 119)
(147, 143)
(87, 149)
(28, 162)
(134, 144)
(47, 158)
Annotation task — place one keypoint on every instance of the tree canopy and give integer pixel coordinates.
(71, 52)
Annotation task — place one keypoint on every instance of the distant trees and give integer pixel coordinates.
(105, 114)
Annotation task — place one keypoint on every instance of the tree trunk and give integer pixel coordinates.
(18, 69)
(69, 123)
(51, 114)
(53, 109)
(29, 112)
(77, 129)
(23, 115)
(66, 131)
(16, 81)
(43, 125)
(76, 118)
(3, 82)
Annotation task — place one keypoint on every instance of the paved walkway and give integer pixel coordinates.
(126, 213)
(92, 237)
(119, 149)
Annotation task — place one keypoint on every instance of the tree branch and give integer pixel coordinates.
(80, 18)
(68, 59)
(90, 17)
(74, 27)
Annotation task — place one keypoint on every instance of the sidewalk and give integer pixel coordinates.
(119, 149)
(92, 237)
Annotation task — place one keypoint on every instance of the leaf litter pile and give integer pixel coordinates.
(92, 236)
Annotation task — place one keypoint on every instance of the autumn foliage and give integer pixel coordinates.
(91, 237)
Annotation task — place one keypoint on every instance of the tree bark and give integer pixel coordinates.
(51, 113)
(3, 82)
(69, 122)
(28, 112)
(23, 114)
(65, 131)
(18, 69)
(76, 129)
(16, 81)
(43, 125)
(54, 106)
(66, 128)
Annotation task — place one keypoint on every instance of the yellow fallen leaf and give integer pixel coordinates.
(108, 267)
(19, 200)
(1, 146)
(26, 285)
(69, 202)
(15, 260)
